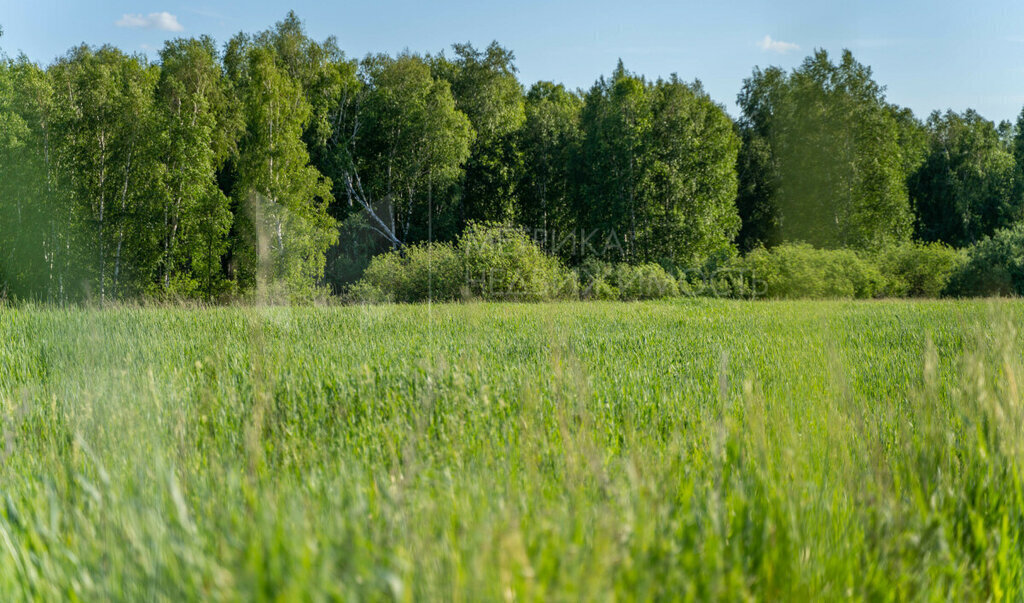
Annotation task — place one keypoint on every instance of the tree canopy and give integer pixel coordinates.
(277, 165)
(825, 164)
(967, 187)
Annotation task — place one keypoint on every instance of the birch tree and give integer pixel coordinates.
(408, 141)
(287, 228)
(486, 89)
(195, 130)
(107, 165)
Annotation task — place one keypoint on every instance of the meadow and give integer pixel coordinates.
(686, 450)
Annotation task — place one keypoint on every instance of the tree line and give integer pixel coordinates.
(277, 165)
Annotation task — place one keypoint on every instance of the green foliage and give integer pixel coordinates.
(755, 199)
(195, 129)
(994, 266)
(279, 166)
(109, 166)
(1016, 143)
(329, 83)
(605, 281)
(913, 138)
(503, 262)
(840, 160)
(656, 171)
(12, 126)
(596, 279)
(34, 255)
(286, 229)
(487, 91)
(644, 281)
(692, 212)
(419, 272)
(548, 139)
(409, 150)
(490, 261)
(612, 162)
(800, 271)
(833, 172)
(966, 188)
(712, 450)
(918, 270)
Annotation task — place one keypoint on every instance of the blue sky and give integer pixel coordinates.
(929, 55)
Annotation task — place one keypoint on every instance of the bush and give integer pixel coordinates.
(734, 280)
(916, 270)
(994, 266)
(644, 281)
(363, 292)
(503, 262)
(490, 261)
(797, 270)
(596, 280)
(601, 280)
(414, 273)
(724, 277)
(496, 262)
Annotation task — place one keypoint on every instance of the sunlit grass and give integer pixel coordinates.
(688, 449)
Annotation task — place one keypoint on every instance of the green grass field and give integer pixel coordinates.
(677, 450)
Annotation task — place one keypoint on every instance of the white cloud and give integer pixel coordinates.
(770, 45)
(164, 21)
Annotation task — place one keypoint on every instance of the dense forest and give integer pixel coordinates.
(277, 165)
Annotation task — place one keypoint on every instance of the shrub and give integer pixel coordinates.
(596, 280)
(414, 273)
(735, 280)
(503, 262)
(490, 261)
(916, 270)
(644, 281)
(601, 280)
(994, 266)
(722, 276)
(364, 293)
(797, 270)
